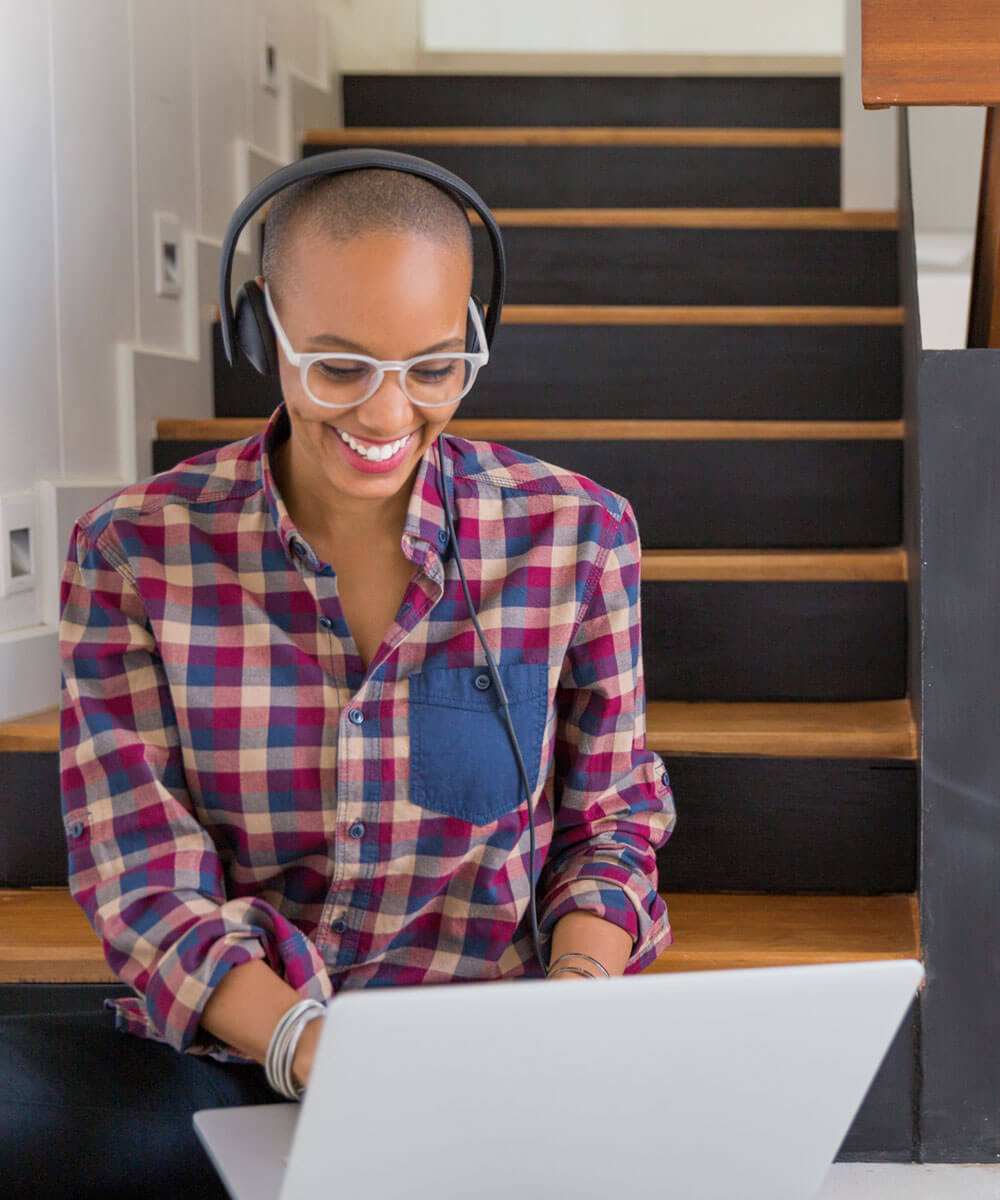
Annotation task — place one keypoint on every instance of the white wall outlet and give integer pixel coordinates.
(167, 251)
(267, 55)
(18, 543)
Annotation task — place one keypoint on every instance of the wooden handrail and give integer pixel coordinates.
(945, 52)
(984, 307)
(930, 52)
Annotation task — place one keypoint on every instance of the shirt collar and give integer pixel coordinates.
(425, 520)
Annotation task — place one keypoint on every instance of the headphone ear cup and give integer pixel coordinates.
(471, 337)
(254, 332)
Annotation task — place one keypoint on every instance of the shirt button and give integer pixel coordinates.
(298, 547)
(442, 536)
(339, 926)
(76, 829)
(357, 830)
(355, 716)
(482, 682)
(326, 622)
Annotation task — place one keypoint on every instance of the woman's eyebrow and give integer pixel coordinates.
(333, 341)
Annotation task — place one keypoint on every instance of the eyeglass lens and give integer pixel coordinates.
(341, 380)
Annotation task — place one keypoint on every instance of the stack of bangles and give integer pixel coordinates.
(281, 1049)
(577, 970)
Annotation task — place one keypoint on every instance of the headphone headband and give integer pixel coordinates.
(334, 162)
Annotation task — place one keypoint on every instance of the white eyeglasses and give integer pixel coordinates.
(347, 380)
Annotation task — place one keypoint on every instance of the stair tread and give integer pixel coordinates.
(564, 135)
(688, 314)
(45, 938)
(499, 429)
(694, 314)
(839, 728)
(697, 218)
(778, 728)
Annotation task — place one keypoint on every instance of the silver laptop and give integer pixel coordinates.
(625, 1086)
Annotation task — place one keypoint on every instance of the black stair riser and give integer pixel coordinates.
(33, 850)
(744, 824)
(796, 640)
(622, 265)
(747, 824)
(746, 494)
(20, 999)
(708, 372)
(804, 102)
(639, 176)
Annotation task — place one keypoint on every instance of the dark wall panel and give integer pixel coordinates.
(959, 421)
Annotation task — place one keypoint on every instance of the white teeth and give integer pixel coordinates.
(374, 453)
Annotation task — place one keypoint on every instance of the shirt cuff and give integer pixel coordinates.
(238, 931)
(645, 921)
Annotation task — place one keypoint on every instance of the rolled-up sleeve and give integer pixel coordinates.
(142, 867)
(614, 803)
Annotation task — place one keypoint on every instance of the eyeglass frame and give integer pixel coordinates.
(476, 359)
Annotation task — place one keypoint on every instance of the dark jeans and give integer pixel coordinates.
(86, 1111)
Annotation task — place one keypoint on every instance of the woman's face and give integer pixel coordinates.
(388, 295)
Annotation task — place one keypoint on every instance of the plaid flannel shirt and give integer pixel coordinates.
(235, 785)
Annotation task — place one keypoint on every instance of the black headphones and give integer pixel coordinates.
(250, 327)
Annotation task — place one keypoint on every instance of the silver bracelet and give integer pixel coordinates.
(600, 966)
(573, 971)
(282, 1046)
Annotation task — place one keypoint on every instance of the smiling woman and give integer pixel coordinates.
(288, 669)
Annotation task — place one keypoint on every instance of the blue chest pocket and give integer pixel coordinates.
(461, 758)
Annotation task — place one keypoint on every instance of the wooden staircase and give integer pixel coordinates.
(691, 310)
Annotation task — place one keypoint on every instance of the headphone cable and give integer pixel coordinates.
(505, 705)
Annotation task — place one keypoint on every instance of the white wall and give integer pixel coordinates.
(109, 111)
(713, 27)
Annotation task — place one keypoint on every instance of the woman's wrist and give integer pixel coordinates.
(584, 933)
(305, 1053)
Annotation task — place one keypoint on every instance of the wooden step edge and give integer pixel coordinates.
(45, 938)
(660, 314)
(723, 931)
(779, 729)
(883, 563)
(700, 314)
(783, 729)
(213, 429)
(694, 218)
(592, 135)
(35, 733)
(693, 315)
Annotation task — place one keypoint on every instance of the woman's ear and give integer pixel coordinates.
(259, 280)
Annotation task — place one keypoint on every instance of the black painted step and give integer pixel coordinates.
(723, 372)
(774, 640)
(532, 176)
(758, 824)
(631, 265)
(803, 102)
(791, 825)
(18, 999)
(718, 494)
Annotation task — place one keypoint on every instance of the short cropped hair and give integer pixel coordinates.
(372, 199)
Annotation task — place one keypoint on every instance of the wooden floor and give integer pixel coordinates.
(45, 938)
